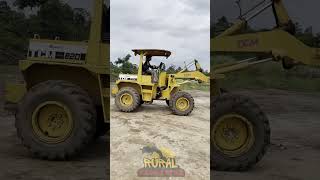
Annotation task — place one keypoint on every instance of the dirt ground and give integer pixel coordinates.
(293, 155)
(295, 140)
(187, 137)
(17, 163)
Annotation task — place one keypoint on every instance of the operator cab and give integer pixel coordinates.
(151, 73)
(151, 53)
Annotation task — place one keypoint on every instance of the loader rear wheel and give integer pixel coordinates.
(55, 120)
(181, 103)
(240, 133)
(128, 99)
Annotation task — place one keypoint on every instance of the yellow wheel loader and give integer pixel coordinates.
(63, 103)
(135, 90)
(240, 132)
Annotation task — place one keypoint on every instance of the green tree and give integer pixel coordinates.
(171, 69)
(52, 18)
(65, 22)
(178, 69)
(221, 25)
(13, 41)
(114, 71)
(125, 66)
(29, 3)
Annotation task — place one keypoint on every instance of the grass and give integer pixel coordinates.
(196, 86)
(272, 75)
(9, 73)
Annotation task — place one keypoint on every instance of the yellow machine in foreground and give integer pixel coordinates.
(63, 103)
(240, 132)
(131, 92)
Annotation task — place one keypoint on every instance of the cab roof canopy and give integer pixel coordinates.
(152, 52)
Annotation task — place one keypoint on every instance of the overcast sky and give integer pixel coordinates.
(305, 12)
(181, 26)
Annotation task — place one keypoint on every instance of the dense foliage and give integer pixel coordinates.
(49, 19)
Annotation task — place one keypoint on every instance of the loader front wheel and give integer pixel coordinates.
(240, 133)
(55, 120)
(181, 103)
(128, 99)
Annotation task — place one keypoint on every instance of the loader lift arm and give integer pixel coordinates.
(196, 75)
(278, 43)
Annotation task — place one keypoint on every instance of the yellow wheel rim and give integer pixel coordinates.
(52, 122)
(233, 135)
(182, 104)
(126, 99)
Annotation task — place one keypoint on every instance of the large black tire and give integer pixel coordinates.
(102, 128)
(136, 99)
(83, 116)
(227, 104)
(141, 101)
(175, 97)
(148, 102)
